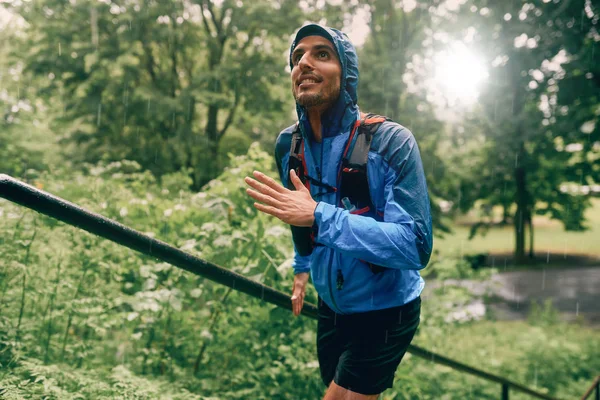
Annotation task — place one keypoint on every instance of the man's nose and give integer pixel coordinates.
(305, 62)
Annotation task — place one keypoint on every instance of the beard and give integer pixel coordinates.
(325, 97)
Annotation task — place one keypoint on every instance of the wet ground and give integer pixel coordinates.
(574, 292)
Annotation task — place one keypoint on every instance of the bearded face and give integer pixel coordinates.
(317, 72)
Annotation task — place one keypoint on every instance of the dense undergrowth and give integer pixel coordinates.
(84, 318)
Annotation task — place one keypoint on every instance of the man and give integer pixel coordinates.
(365, 268)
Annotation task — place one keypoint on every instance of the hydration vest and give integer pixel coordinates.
(352, 180)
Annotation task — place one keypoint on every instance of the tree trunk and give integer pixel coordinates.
(520, 215)
(530, 223)
(212, 132)
(505, 214)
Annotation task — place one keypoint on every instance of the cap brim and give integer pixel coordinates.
(312, 30)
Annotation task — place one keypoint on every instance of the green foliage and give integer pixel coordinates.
(395, 38)
(556, 358)
(82, 317)
(522, 163)
(449, 266)
(149, 100)
(160, 83)
(32, 378)
(23, 134)
(543, 314)
(97, 303)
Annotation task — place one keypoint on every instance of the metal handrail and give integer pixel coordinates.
(596, 386)
(70, 213)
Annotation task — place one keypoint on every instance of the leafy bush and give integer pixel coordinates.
(82, 317)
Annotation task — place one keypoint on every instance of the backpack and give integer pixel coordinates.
(352, 179)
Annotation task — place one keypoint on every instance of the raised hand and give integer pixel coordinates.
(294, 207)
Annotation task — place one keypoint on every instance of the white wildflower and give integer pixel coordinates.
(206, 334)
(132, 315)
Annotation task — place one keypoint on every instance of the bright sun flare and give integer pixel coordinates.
(459, 74)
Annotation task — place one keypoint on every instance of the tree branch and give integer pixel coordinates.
(175, 75)
(231, 115)
(213, 17)
(149, 62)
(231, 22)
(205, 21)
(251, 34)
(374, 33)
(563, 6)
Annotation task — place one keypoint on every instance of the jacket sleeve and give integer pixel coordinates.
(300, 263)
(403, 240)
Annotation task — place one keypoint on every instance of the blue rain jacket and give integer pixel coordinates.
(397, 235)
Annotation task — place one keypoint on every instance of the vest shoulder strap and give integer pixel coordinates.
(357, 153)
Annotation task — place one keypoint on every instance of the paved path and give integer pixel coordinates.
(574, 291)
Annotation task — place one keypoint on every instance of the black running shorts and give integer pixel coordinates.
(361, 352)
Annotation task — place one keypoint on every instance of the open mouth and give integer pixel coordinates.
(307, 82)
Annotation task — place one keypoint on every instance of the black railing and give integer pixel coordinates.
(595, 387)
(55, 207)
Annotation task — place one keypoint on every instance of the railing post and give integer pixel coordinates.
(504, 391)
(598, 390)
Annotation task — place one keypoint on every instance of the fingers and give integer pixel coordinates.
(268, 209)
(296, 181)
(299, 306)
(262, 188)
(270, 182)
(298, 294)
(264, 198)
(297, 303)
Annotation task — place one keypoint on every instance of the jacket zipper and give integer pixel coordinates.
(329, 269)
(330, 266)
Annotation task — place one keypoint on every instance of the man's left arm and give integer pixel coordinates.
(404, 239)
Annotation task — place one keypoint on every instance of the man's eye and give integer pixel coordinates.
(323, 54)
(296, 58)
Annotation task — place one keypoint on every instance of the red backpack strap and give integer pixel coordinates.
(357, 149)
(353, 174)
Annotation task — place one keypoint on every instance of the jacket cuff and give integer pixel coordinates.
(301, 270)
(323, 215)
(300, 263)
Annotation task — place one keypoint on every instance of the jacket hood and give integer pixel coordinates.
(344, 112)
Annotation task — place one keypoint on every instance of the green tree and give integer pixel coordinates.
(21, 148)
(160, 83)
(576, 89)
(395, 37)
(524, 163)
